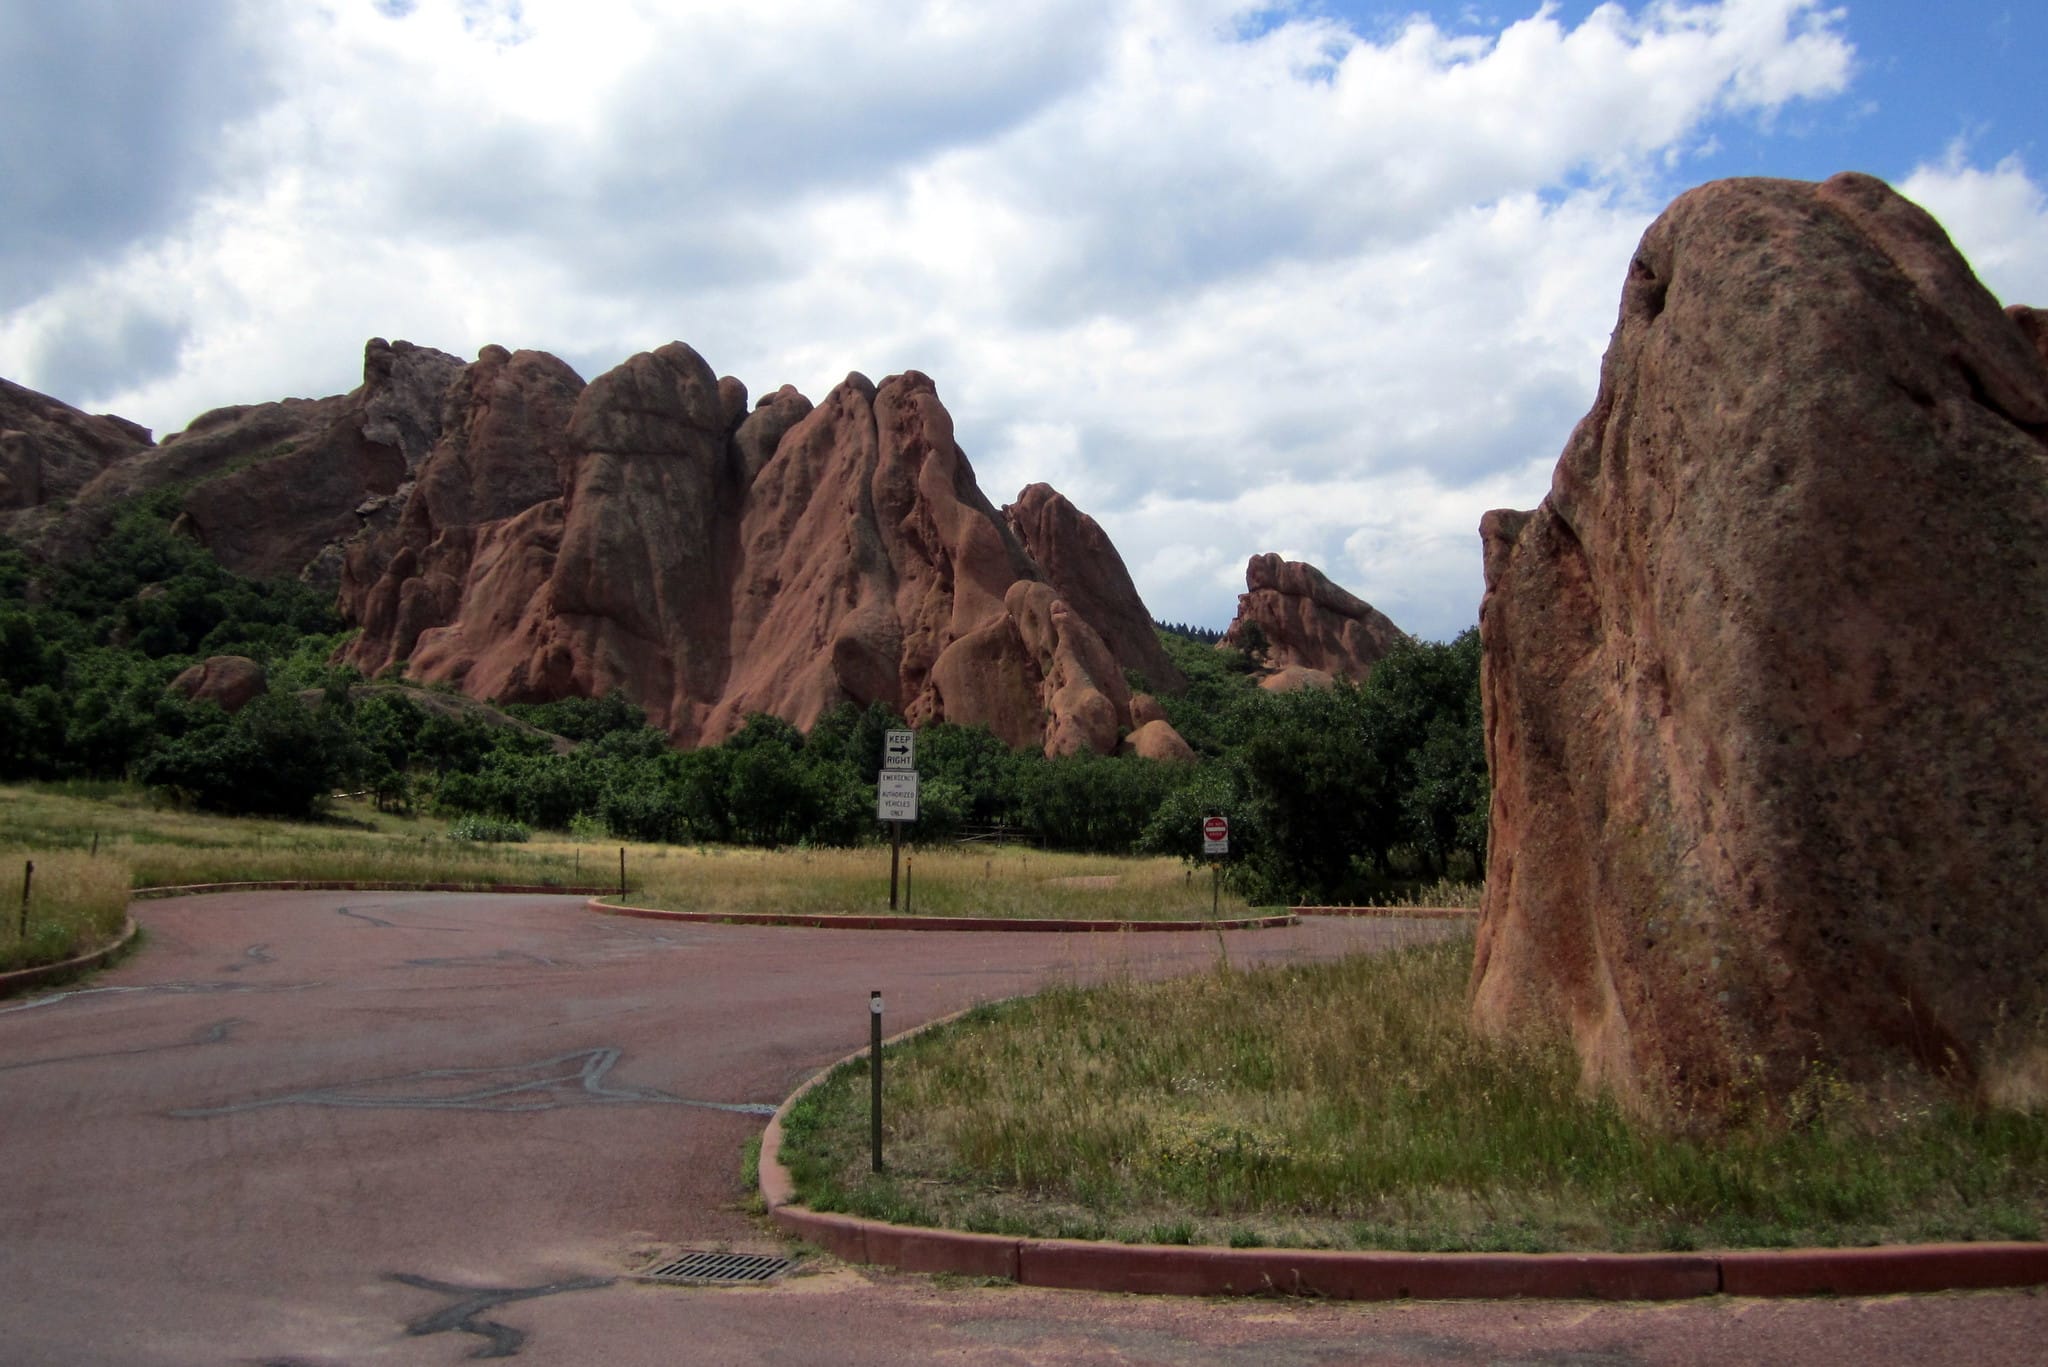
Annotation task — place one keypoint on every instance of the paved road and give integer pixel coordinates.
(328, 1128)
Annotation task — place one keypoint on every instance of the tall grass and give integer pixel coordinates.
(76, 903)
(1348, 1105)
(1003, 881)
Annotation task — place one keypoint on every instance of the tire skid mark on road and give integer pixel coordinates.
(574, 1079)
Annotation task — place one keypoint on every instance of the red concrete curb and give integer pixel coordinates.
(884, 922)
(357, 885)
(1883, 1271)
(1162, 1269)
(19, 980)
(1420, 913)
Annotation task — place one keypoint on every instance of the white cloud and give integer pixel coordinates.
(1998, 219)
(1234, 279)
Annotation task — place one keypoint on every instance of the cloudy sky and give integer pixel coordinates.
(1330, 279)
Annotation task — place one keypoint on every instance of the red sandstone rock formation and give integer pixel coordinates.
(1157, 740)
(1766, 674)
(1084, 568)
(713, 563)
(504, 527)
(276, 489)
(1304, 620)
(49, 451)
(233, 681)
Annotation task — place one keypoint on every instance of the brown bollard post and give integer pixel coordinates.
(622, 870)
(875, 1078)
(28, 873)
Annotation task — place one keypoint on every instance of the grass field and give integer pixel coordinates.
(957, 880)
(1348, 1106)
(131, 840)
(92, 843)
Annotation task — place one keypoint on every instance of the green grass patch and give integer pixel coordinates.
(1347, 1105)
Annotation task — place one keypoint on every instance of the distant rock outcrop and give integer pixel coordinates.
(1292, 617)
(1084, 568)
(503, 527)
(278, 489)
(648, 533)
(1766, 674)
(50, 450)
(232, 681)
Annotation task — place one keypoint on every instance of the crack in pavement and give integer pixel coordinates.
(216, 1033)
(176, 989)
(576, 1079)
(464, 1316)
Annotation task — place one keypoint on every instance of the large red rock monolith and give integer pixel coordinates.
(1766, 675)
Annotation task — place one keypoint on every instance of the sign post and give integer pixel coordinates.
(1215, 843)
(896, 796)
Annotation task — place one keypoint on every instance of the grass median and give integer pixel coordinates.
(1346, 1105)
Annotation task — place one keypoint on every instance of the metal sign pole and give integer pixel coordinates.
(895, 857)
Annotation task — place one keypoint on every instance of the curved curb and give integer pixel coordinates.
(355, 885)
(1160, 1269)
(20, 980)
(1021, 923)
(1416, 913)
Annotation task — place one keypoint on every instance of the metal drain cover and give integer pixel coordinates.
(716, 1269)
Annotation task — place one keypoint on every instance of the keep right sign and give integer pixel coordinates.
(1216, 835)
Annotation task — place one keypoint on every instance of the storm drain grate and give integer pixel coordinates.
(719, 1269)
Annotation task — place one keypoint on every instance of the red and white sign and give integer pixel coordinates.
(1216, 835)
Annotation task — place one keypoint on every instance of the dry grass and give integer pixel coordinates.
(1347, 1105)
(76, 903)
(973, 880)
(91, 844)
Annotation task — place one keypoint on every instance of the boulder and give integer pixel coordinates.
(232, 681)
(1290, 614)
(1765, 675)
(1144, 708)
(1287, 678)
(1157, 740)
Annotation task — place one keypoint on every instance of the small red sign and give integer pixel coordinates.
(1216, 828)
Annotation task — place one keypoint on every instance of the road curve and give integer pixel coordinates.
(375, 1127)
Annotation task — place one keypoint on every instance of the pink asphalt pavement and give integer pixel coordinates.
(376, 1127)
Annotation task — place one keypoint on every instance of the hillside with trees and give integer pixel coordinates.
(1333, 793)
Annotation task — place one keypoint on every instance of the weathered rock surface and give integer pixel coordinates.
(648, 533)
(1288, 678)
(50, 450)
(1157, 740)
(1084, 568)
(1305, 620)
(233, 681)
(504, 527)
(1766, 674)
(278, 489)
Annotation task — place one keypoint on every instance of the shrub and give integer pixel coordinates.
(488, 829)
